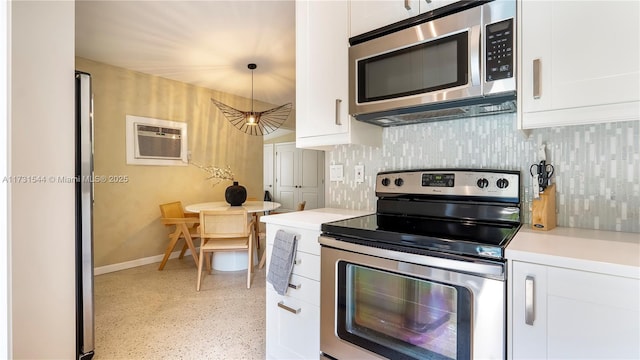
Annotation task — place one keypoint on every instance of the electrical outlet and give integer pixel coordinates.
(336, 173)
(359, 173)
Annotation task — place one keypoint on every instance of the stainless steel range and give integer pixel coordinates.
(424, 277)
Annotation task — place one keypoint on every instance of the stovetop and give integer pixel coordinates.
(424, 236)
(465, 212)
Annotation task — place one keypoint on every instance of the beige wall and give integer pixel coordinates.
(127, 218)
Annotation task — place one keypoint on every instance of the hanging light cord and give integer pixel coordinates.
(252, 67)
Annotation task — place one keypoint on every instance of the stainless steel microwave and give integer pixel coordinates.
(458, 61)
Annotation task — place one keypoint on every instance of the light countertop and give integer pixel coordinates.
(608, 252)
(312, 219)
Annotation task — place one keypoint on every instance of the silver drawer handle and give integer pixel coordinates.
(407, 5)
(529, 310)
(296, 287)
(291, 310)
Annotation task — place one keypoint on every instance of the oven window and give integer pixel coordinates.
(402, 317)
(430, 66)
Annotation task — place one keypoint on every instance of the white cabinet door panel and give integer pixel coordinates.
(322, 43)
(584, 57)
(529, 340)
(367, 15)
(576, 314)
(291, 335)
(321, 64)
(591, 315)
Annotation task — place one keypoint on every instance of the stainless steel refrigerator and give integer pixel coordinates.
(84, 217)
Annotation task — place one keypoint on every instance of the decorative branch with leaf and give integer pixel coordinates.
(217, 174)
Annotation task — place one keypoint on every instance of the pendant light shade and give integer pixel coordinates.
(252, 122)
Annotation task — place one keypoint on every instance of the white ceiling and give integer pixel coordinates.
(204, 43)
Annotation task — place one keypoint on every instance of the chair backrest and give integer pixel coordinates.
(172, 210)
(224, 223)
(301, 205)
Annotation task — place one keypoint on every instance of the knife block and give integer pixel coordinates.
(543, 210)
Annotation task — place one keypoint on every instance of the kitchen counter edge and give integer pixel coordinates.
(607, 252)
(312, 219)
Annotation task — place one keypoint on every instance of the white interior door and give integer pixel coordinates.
(268, 173)
(286, 178)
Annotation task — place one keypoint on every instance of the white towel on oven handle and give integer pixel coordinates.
(282, 258)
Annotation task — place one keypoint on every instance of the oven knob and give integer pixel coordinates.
(483, 183)
(386, 182)
(502, 183)
(398, 182)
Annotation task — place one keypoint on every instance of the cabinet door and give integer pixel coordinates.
(529, 332)
(367, 15)
(592, 316)
(268, 168)
(293, 328)
(580, 62)
(575, 314)
(321, 68)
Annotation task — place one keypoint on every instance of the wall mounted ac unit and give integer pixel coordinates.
(156, 142)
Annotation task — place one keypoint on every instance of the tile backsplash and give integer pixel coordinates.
(597, 167)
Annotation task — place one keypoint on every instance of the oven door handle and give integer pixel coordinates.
(472, 266)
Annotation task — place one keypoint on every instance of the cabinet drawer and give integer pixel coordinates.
(307, 265)
(293, 328)
(307, 239)
(303, 289)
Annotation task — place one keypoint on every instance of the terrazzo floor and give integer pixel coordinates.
(143, 313)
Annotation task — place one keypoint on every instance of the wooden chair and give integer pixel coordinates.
(225, 230)
(186, 227)
(256, 224)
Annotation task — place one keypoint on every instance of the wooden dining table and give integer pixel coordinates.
(234, 261)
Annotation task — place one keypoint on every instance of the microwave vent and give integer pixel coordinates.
(442, 111)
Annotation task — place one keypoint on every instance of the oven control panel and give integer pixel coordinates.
(450, 182)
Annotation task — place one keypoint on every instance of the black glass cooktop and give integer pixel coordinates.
(412, 234)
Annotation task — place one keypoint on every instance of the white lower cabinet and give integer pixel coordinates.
(559, 313)
(293, 319)
(292, 335)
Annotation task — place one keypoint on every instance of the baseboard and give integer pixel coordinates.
(135, 263)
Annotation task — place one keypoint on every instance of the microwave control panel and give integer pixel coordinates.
(500, 49)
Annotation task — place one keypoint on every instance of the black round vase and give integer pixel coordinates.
(235, 194)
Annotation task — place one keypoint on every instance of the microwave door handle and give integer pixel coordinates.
(474, 40)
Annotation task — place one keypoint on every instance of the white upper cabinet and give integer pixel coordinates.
(367, 15)
(322, 115)
(580, 62)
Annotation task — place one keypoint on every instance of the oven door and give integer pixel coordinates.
(398, 307)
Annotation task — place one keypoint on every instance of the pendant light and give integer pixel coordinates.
(252, 122)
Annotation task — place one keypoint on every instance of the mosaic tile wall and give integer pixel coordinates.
(597, 167)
